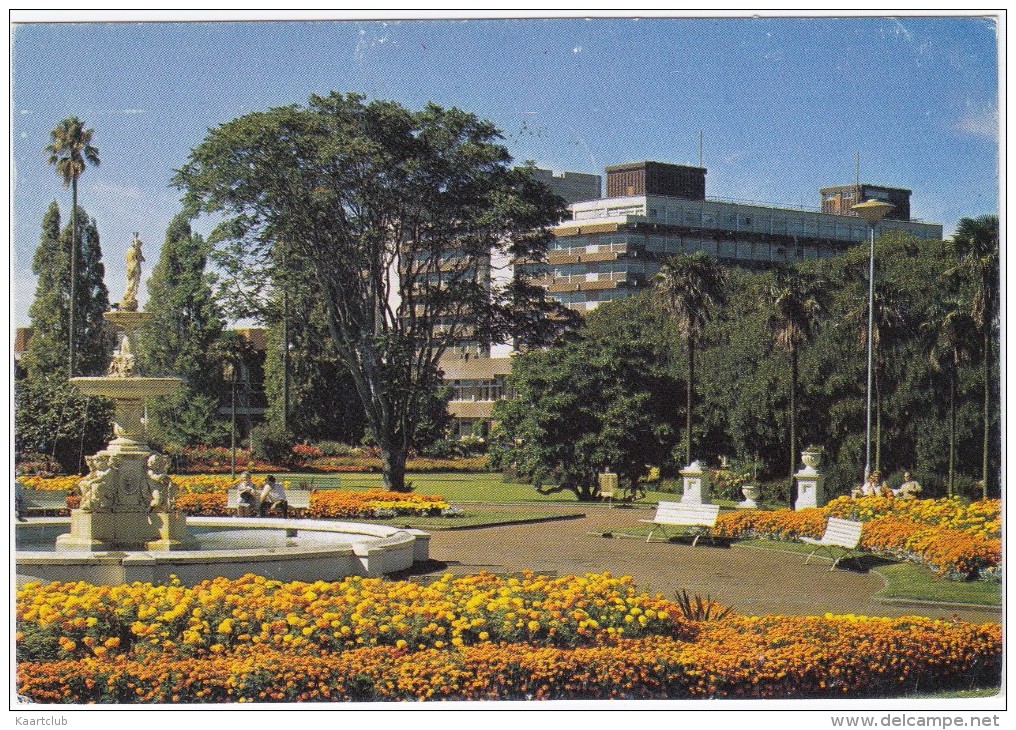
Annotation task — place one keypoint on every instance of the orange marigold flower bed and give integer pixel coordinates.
(955, 539)
(747, 657)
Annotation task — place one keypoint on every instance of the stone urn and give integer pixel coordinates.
(812, 457)
(751, 495)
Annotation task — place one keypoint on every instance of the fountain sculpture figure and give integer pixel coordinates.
(127, 496)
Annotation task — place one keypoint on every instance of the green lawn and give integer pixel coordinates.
(470, 518)
(904, 581)
(465, 487)
(907, 581)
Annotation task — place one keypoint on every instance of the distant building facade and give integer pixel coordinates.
(612, 247)
(572, 186)
(475, 384)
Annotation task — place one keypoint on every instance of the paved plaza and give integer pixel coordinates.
(752, 581)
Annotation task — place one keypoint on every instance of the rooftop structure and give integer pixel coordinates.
(840, 199)
(613, 246)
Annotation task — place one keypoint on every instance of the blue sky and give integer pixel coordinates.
(784, 104)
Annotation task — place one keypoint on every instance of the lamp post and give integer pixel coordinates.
(872, 211)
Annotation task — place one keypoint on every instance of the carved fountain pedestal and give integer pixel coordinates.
(127, 497)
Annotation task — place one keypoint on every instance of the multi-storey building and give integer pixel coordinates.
(613, 246)
(475, 373)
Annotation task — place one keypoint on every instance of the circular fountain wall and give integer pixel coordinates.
(282, 549)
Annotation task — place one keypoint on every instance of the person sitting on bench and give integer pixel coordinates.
(273, 497)
(248, 496)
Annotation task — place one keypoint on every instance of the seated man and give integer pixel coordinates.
(273, 496)
(909, 488)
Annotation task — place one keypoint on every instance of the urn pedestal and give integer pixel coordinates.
(810, 483)
(696, 484)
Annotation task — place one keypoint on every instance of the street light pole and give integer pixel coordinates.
(872, 211)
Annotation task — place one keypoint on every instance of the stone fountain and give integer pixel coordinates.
(126, 528)
(127, 496)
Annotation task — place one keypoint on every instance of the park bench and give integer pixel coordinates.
(295, 498)
(697, 519)
(840, 536)
(44, 500)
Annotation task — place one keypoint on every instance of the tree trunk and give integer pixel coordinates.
(690, 399)
(952, 434)
(793, 420)
(987, 404)
(878, 426)
(393, 467)
(71, 359)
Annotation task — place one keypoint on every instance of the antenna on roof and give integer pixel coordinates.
(700, 148)
(857, 171)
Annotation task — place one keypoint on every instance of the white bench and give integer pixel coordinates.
(295, 498)
(840, 534)
(695, 518)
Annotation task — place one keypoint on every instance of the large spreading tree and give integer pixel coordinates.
(400, 213)
(600, 400)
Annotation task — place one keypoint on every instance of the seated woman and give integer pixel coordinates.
(248, 496)
(273, 497)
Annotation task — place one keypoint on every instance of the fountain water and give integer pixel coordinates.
(126, 527)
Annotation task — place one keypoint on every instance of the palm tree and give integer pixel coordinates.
(949, 341)
(70, 151)
(796, 305)
(975, 245)
(688, 288)
(891, 324)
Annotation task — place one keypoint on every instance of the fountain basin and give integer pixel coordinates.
(281, 549)
(127, 388)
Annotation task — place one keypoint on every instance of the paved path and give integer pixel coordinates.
(751, 580)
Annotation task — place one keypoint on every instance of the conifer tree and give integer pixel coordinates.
(52, 416)
(179, 340)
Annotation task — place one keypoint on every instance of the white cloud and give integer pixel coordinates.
(983, 123)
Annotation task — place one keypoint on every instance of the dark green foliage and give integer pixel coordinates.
(603, 399)
(271, 443)
(743, 377)
(180, 340)
(48, 349)
(323, 404)
(697, 608)
(51, 416)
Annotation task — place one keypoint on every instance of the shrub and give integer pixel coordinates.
(272, 443)
(36, 464)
